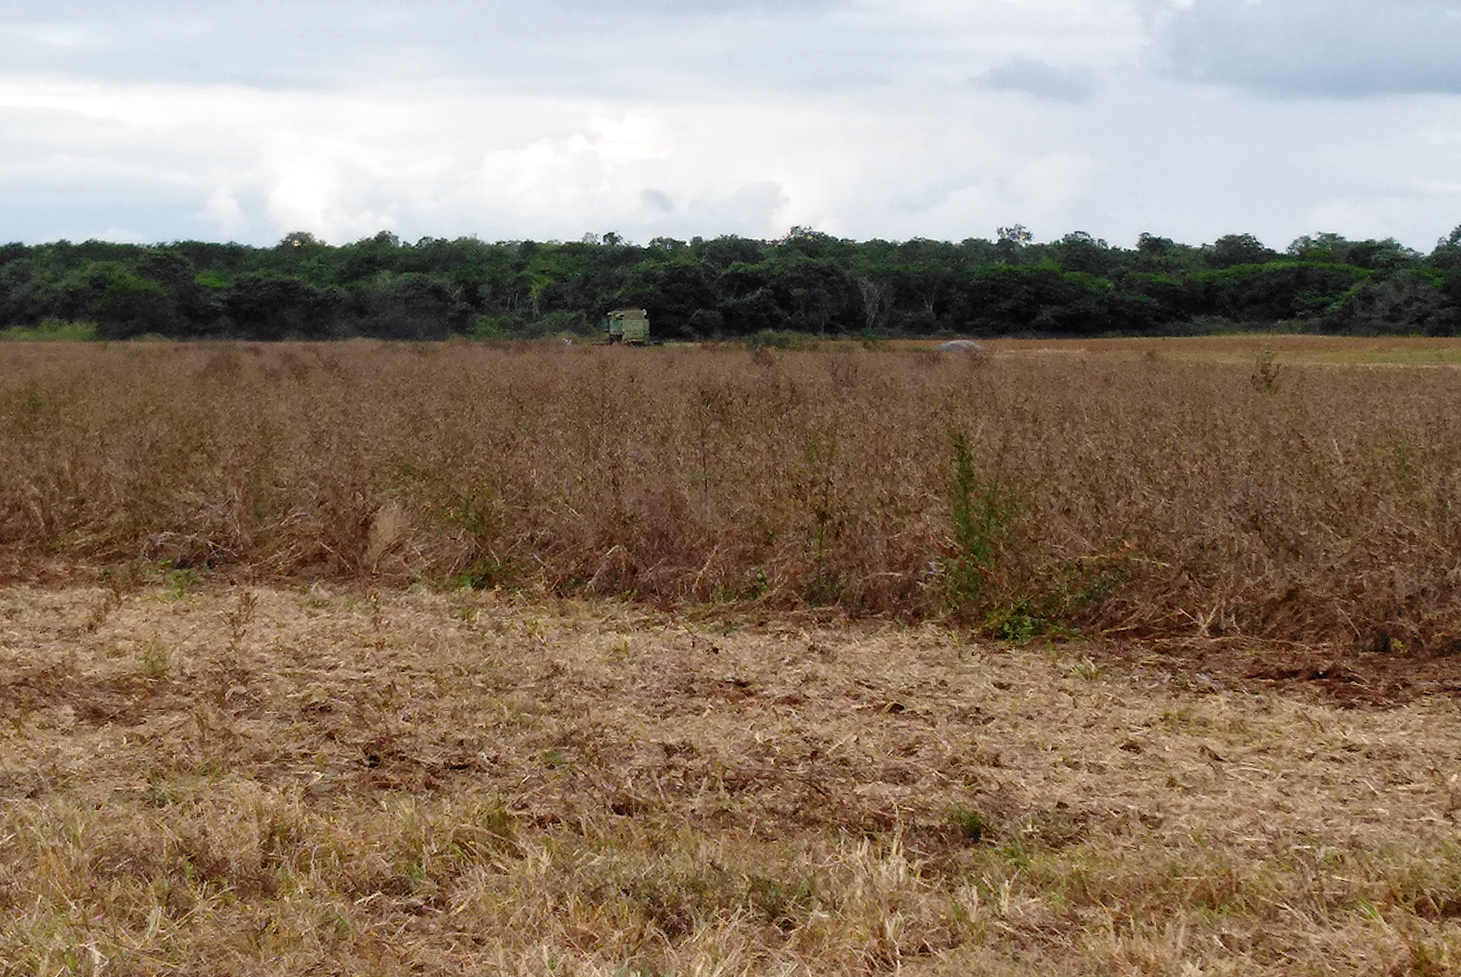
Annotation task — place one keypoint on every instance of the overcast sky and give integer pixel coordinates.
(161, 120)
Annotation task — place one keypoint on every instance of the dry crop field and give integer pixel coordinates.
(1241, 348)
(1124, 658)
(1129, 489)
(304, 780)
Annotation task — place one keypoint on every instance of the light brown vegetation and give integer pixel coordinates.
(1149, 488)
(309, 702)
(289, 781)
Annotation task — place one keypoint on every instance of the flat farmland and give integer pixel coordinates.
(1242, 349)
(1118, 657)
(1238, 486)
(317, 780)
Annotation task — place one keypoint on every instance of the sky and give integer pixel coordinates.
(163, 120)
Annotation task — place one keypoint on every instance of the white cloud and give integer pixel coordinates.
(936, 118)
(1378, 216)
(223, 213)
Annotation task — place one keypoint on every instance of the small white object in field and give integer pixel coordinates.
(960, 346)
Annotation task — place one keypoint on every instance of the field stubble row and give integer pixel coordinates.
(289, 780)
(1144, 495)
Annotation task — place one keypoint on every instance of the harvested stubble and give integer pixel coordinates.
(1146, 495)
(287, 782)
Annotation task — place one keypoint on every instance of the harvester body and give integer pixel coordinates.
(627, 326)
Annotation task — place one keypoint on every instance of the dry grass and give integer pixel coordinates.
(266, 727)
(284, 781)
(1141, 488)
(1239, 348)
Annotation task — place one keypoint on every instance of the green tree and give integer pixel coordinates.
(23, 301)
(1237, 249)
(131, 305)
(1448, 251)
(409, 306)
(1386, 255)
(1275, 290)
(1080, 251)
(267, 305)
(1406, 302)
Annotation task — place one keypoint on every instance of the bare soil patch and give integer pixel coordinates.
(1382, 675)
(288, 780)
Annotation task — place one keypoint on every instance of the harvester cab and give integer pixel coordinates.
(627, 326)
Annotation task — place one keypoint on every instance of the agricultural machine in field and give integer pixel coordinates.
(627, 326)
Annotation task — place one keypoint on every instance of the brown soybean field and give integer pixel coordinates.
(1110, 657)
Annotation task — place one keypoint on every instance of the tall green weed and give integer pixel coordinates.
(982, 511)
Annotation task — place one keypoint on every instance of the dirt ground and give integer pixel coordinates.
(212, 779)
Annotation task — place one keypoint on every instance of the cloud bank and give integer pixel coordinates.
(162, 120)
(1318, 48)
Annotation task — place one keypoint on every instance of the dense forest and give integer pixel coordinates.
(731, 286)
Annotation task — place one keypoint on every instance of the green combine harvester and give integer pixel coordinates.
(627, 326)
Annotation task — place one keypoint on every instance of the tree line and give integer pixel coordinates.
(731, 286)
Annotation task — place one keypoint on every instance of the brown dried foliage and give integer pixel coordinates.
(1151, 494)
(272, 781)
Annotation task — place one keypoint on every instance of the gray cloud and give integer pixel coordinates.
(1039, 79)
(557, 45)
(1323, 48)
(699, 8)
(657, 200)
